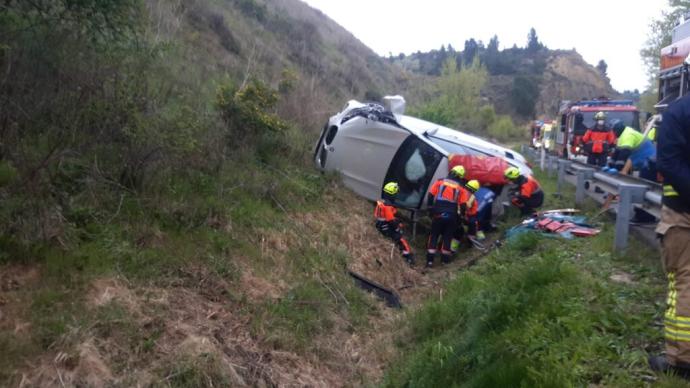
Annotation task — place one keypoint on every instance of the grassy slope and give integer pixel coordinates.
(141, 301)
(541, 312)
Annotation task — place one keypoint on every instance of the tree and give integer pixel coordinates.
(524, 95)
(533, 43)
(493, 45)
(459, 97)
(660, 36)
(470, 51)
(602, 67)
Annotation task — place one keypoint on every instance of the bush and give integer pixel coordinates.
(524, 94)
(503, 129)
(245, 111)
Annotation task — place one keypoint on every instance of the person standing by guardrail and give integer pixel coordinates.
(673, 159)
(598, 140)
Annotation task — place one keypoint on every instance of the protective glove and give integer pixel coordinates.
(612, 171)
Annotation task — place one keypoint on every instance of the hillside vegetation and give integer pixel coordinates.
(161, 224)
(522, 82)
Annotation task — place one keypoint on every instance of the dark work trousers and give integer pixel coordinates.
(528, 205)
(597, 159)
(443, 225)
(392, 230)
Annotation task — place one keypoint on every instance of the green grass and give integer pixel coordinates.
(536, 313)
(324, 297)
(540, 312)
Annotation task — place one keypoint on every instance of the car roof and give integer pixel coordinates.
(422, 127)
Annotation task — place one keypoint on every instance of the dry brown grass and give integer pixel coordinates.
(199, 315)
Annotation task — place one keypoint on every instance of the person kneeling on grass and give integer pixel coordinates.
(388, 224)
(528, 195)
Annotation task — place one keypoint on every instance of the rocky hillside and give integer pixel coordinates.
(568, 77)
(523, 82)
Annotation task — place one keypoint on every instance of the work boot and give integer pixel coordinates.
(429, 263)
(445, 259)
(409, 258)
(661, 364)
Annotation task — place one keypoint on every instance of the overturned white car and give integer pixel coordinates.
(370, 144)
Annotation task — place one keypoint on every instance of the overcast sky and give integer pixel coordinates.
(612, 30)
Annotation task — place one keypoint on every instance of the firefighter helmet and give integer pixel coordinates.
(458, 171)
(512, 173)
(391, 188)
(600, 116)
(473, 185)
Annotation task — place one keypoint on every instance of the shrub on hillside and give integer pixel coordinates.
(504, 129)
(524, 94)
(246, 110)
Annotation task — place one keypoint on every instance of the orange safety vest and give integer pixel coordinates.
(446, 190)
(470, 202)
(599, 140)
(384, 212)
(530, 187)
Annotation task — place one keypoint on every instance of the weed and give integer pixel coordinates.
(204, 370)
(53, 312)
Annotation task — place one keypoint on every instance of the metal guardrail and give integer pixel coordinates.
(632, 192)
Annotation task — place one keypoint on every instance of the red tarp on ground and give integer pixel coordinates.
(488, 170)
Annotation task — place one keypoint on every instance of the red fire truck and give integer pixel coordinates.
(673, 73)
(576, 116)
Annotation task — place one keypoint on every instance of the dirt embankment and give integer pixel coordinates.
(155, 334)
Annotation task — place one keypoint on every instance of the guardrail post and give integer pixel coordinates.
(629, 194)
(551, 165)
(563, 166)
(542, 158)
(523, 147)
(583, 175)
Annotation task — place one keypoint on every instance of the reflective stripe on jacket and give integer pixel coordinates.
(673, 155)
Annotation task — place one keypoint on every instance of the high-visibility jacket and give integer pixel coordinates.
(529, 187)
(634, 145)
(384, 211)
(673, 155)
(445, 194)
(468, 203)
(651, 135)
(449, 196)
(598, 140)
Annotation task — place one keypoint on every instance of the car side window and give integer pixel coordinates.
(413, 166)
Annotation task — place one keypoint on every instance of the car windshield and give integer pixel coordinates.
(630, 119)
(413, 167)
